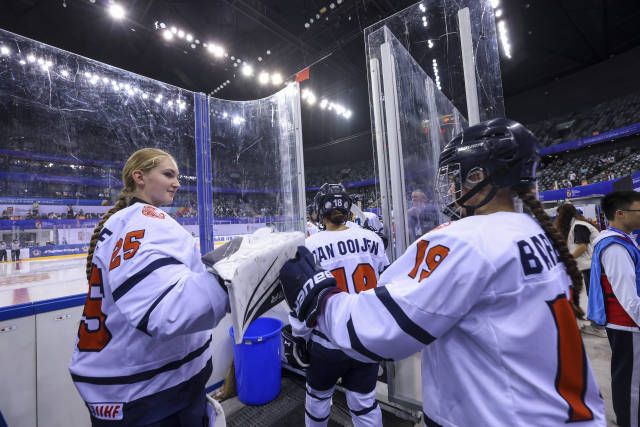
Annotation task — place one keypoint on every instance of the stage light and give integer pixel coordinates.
(263, 78)
(311, 99)
(174, 30)
(189, 37)
(247, 70)
(504, 38)
(216, 50)
(323, 104)
(168, 35)
(116, 11)
(276, 79)
(5, 50)
(181, 34)
(347, 114)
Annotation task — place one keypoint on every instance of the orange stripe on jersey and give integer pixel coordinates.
(571, 379)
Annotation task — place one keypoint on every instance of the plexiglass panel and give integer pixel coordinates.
(67, 125)
(430, 32)
(256, 163)
(419, 120)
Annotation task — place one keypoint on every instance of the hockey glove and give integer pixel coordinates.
(306, 286)
(296, 350)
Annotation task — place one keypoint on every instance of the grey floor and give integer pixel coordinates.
(288, 409)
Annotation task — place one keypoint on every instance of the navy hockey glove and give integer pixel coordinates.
(306, 286)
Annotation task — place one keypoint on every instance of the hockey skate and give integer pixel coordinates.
(249, 267)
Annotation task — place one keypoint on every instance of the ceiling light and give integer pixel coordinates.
(276, 79)
(4, 50)
(31, 58)
(306, 25)
(189, 37)
(216, 50)
(332, 6)
(268, 52)
(495, 3)
(163, 25)
(347, 114)
(168, 35)
(247, 70)
(174, 30)
(430, 42)
(65, 73)
(422, 8)
(181, 34)
(498, 13)
(145, 96)
(311, 99)
(339, 1)
(263, 78)
(116, 11)
(323, 104)
(504, 38)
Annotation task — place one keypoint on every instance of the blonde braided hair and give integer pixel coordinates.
(144, 160)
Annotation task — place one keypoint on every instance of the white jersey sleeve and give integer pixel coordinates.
(373, 221)
(417, 300)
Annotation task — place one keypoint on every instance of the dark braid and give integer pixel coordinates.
(559, 243)
(120, 204)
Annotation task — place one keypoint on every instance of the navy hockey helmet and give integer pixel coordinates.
(332, 197)
(498, 152)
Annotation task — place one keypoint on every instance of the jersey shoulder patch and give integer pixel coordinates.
(153, 212)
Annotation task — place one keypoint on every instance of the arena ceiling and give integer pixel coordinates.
(550, 39)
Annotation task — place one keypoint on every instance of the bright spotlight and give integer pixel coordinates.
(347, 114)
(65, 73)
(31, 58)
(323, 104)
(276, 79)
(247, 70)
(311, 99)
(4, 50)
(168, 35)
(422, 8)
(216, 50)
(189, 37)
(174, 30)
(116, 11)
(263, 78)
(498, 13)
(495, 3)
(181, 34)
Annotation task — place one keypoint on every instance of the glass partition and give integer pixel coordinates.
(430, 68)
(431, 33)
(67, 125)
(256, 162)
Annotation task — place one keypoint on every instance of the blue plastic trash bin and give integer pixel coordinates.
(257, 361)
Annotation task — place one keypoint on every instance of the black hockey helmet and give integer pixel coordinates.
(332, 197)
(500, 152)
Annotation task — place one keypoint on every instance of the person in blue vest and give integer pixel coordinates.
(614, 300)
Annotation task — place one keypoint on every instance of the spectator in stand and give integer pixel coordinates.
(70, 214)
(610, 176)
(614, 299)
(572, 176)
(3, 251)
(15, 250)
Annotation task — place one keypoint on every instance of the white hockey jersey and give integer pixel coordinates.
(485, 299)
(143, 347)
(373, 220)
(355, 257)
(311, 229)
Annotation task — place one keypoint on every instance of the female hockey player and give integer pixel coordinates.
(484, 298)
(143, 355)
(356, 257)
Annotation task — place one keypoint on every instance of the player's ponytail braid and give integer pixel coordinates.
(144, 160)
(528, 198)
(120, 204)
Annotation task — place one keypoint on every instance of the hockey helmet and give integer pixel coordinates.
(499, 152)
(332, 197)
